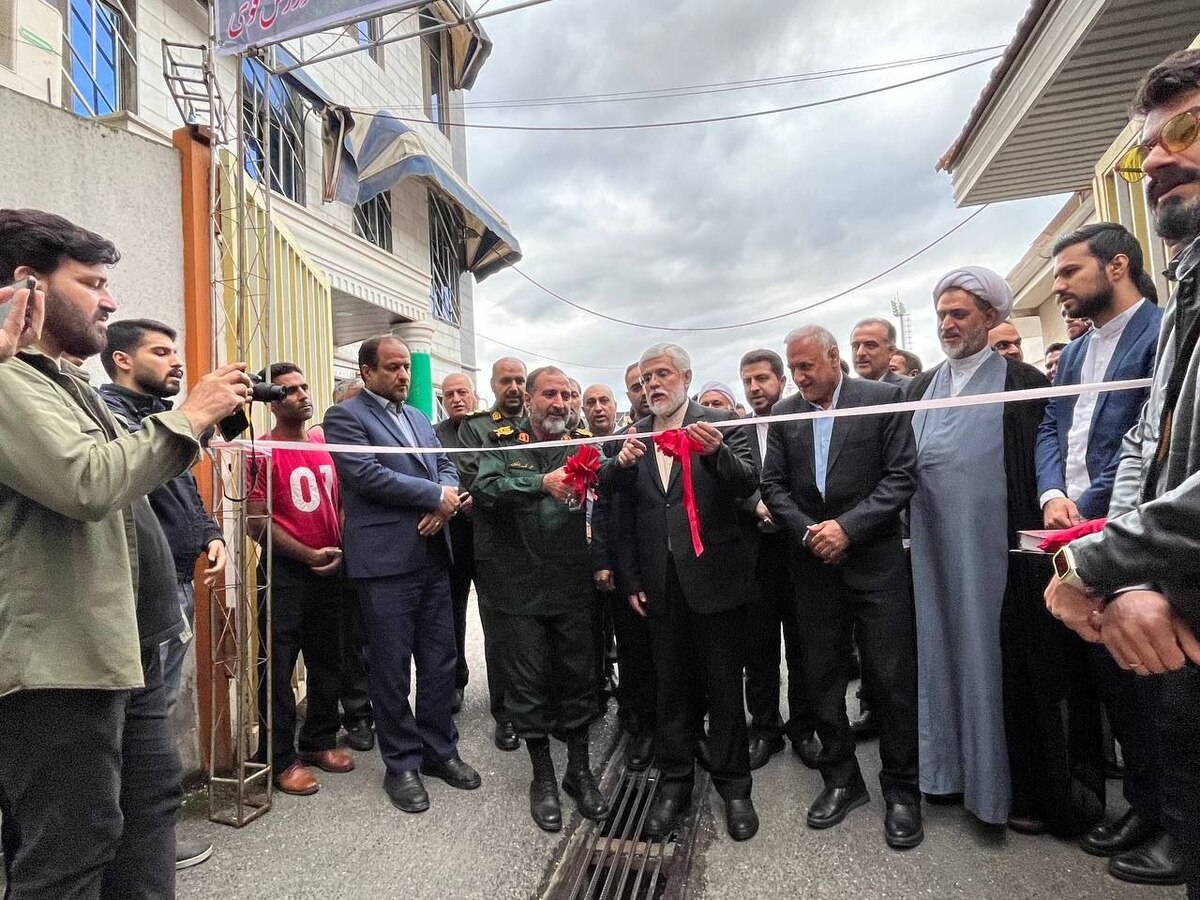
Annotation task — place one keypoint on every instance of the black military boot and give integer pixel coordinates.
(543, 790)
(579, 783)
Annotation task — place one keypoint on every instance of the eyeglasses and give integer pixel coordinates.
(1177, 134)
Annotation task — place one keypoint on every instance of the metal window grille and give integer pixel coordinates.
(266, 96)
(373, 220)
(436, 75)
(100, 68)
(446, 259)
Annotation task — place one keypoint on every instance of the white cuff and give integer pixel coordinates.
(1052, 494)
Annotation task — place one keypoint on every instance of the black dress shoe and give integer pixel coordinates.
(864, 727)
(454, 772)
(902, 827)
(457, 702)
(833, 803)
(1154, 862)
(360, 736)
(406, 791)
(1027, 825)
(763, 748)
(664, 813)
(639, 752)
(809, 750)
(1112, 837)
(741, 821)
(506, 736)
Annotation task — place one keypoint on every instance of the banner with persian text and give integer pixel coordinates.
(255, 23)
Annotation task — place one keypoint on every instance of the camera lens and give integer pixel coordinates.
(261, 392)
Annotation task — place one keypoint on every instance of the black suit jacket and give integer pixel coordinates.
(654, 524)
(870, 477)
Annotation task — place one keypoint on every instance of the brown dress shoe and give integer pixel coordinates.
(297, 779)
(329, 760)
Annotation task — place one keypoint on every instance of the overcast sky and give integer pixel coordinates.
(720, 223)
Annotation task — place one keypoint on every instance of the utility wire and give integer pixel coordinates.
(672, 124)
(765, 319)
(717, 87)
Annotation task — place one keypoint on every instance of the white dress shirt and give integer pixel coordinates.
(674, 420)
(761, 429)
(1096, 359)
(962, 370)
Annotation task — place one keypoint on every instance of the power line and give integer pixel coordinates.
(765, 319)
(537, 355)
(672, 124)
(717, 87)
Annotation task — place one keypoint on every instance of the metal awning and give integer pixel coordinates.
(1061, 94)
(368, 154)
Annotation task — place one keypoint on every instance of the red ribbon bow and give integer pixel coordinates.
(678, 444)
(583, 469)
(1058, 540)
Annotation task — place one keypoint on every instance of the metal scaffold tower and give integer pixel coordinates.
(241, 263)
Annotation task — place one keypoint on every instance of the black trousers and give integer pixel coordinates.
(304, 616)
(699, 652)
(355, 690)
(491, 657)
(827, 611)
(90, 806)
(549, 670)
(638, 692)
(1132, 706)
(409, 619)
(1179, 732)
(461, 575)
(770, 613)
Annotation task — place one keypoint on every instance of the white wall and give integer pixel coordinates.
(122, 186)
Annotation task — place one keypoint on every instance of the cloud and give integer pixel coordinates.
(728, 222)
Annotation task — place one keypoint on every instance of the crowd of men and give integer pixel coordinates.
(705, 554)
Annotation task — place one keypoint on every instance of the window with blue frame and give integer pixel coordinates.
(273, 125)
(435, 74)
(367, 32)
(99, 57)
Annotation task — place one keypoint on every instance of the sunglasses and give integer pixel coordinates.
(1177, 134)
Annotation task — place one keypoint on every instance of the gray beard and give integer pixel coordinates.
(551, 425)
(668, 407)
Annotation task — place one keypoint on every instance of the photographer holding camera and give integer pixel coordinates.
(89, 772)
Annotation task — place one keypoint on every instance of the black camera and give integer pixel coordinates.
(262, 392)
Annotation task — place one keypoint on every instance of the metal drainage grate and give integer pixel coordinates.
(611, 860)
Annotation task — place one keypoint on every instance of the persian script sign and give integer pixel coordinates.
(255, 23)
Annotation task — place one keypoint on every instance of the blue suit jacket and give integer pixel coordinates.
(1115, 412)
(384, 496)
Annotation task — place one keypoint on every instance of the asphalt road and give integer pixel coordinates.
(347, 841)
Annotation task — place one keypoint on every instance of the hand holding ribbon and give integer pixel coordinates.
(583, 469)
(1059, 539)
(678, 444)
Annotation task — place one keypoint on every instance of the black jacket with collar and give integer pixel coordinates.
(188, 527)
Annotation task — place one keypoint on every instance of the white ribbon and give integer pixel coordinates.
(1065, 390)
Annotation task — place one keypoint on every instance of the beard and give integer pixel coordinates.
(972, 343)
(675, 399)
(74, 332)
(1176, 221)
(155, 387)
(1099, 301)
(548, 423)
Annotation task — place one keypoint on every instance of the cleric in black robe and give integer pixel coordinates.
(1050, 709)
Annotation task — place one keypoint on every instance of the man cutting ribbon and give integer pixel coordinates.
(687, 480)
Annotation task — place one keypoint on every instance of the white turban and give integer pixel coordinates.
(721, 388)
(985, 284)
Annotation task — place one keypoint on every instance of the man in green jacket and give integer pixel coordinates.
(508, 387)
(531, 550)
(80, 609)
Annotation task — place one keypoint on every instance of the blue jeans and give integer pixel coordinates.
(174, 650)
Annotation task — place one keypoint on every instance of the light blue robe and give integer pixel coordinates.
(958, 525)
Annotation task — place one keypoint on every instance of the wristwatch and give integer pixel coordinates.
(1064, 569)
